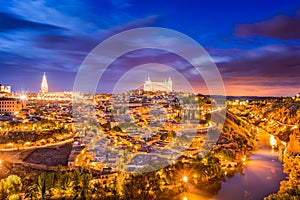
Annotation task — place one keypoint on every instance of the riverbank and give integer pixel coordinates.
(28, 164)
(261, 176)
(290, 187)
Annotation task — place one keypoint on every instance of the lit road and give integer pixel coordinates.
(282, 124)
(17, 156)
(36, 147)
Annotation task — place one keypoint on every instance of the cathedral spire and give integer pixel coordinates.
(148, 79)
(44, 86)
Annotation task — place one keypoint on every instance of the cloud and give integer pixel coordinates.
(40, 35)
(223, 52)
(132, 59)
(151, 20)
(281, 27)
(56, 46)
(268, 61)
(9, 22)
(85, 42)
(273, 66)
(64, 14)
(75, 15)
(65, 42)
(45, 36)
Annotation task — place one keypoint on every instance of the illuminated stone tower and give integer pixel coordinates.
(44, 86)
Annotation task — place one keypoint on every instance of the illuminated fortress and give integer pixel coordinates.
(158, 86)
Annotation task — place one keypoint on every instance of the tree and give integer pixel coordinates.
(106, 127)
(142, 186)
(86, 178)
(41, 185)
(116, 129)
(10, 186)
(32, 192)
(177, 118)
(14, 197)
(98, 191)
(115, 194)
(168, 136)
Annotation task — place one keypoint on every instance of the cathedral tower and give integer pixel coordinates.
(44, 86)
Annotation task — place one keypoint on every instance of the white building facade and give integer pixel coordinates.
(6, 89)
(158, 86)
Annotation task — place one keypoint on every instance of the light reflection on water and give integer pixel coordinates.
(273, 141)
(261, 176)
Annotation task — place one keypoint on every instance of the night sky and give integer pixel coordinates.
(255, 44)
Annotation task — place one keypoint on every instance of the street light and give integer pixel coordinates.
(185, 198)
(185, 179)
(244, 160)
(23, 97)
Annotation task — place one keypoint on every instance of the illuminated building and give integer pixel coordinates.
(10, 105)
(44, 86)
(5, 89)
(60, 96)
(44, 93)
(158, 86)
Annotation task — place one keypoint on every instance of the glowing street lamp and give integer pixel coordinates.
(185, 198)
(185, 179)
(23, 97)
(294, 127)
(244, 160)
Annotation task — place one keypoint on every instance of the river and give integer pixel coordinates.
(261, 176)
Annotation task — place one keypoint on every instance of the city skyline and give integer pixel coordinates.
(255, 46)
(154, 100)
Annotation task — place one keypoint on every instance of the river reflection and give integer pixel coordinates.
(273, 141)
(261, 176)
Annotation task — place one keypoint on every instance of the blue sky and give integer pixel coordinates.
(255, 44)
